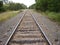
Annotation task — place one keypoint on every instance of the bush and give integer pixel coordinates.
(2, 9)
(1, 3)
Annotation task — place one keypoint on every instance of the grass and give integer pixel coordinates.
(7, 15)
(53, 16)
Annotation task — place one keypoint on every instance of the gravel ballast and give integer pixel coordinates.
(7, 27)
(51, 29)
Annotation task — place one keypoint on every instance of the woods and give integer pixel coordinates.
(11, 6)
(50, 8)
(1, 7)
(32, 6)
(51, 5)
(16, 6)
(44, 5)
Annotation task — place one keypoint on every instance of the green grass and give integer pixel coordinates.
(7, 15)
(53, 16)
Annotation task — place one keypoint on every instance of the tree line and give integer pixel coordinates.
(51, 5)
(11, 6)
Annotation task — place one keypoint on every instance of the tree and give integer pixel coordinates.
(32, 6)
(16, 6)
(54, 5)
(5, 1)
(41, 5)
(24, 6)
(51, 5)
(2, 9)
(1, 3)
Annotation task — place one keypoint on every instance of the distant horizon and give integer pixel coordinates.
(26, 2)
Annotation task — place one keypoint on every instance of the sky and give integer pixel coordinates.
(26, 2)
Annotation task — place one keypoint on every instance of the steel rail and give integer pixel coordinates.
(14, 29)
(42, 31)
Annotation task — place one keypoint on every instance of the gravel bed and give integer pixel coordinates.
(51, 29)
(7, 27)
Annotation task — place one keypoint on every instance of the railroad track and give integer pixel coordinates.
(28, 32)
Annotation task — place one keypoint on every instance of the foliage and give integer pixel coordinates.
(16, 6)
(32, 6)
(41, 5)
(53, 16)
(23, 6)
(1, 3)
(51, 5)
(11, 6)
(2, 8)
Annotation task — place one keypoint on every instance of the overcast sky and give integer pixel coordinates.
(26, 2)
